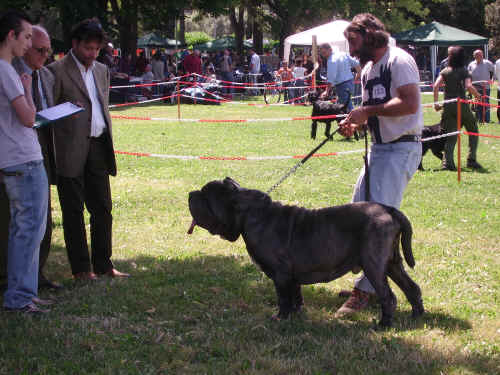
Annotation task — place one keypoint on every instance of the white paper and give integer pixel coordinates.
(60, 111)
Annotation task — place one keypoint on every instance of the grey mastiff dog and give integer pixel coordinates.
(295, 246)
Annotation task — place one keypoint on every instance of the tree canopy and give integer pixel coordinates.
(126, 19)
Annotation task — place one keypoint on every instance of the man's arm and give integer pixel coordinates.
(470, 87)
(435, 89)
(23, 104)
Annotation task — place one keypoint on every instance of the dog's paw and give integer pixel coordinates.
(417, 312)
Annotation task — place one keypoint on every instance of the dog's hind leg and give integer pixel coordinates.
(397, 273)
(297, 299)
(386, 297)
(438, 154)
(314, 127)
(328, 128)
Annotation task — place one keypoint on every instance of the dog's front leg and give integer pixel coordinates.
(284, 290)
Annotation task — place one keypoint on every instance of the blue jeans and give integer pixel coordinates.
(27, 190)
(345, 90)
(227, 76)
(391, 167)
(299, 91)
(479, 109)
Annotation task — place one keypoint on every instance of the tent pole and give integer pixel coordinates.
(315, 59)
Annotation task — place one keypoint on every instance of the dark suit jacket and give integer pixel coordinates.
(72, 134)
(45, 133)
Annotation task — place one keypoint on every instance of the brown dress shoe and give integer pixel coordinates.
(85, 276)
(113, 272)
(43, 302)
(357, 301)
(30, 308)
(44, 283)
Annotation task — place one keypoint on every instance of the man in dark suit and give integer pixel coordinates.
(84, 153)
(32, 63)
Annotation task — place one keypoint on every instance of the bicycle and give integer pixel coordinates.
(273, 88)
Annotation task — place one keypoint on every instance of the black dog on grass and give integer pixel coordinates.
(295, 246)
(435, 145)
(325, 108)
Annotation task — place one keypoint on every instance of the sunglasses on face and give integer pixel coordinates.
(43, 50)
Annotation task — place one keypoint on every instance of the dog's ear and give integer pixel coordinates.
(228, 181)
(246, 199)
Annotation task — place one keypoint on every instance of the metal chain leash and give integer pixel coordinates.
(302, 162)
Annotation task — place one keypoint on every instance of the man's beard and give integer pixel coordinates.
(363, 54)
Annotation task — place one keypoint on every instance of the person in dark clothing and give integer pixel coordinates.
(456, 80)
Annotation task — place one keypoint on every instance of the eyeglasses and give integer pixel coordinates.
(43, 50)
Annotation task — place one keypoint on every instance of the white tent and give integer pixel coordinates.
(331, 33)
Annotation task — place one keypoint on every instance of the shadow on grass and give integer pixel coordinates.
(236, 293)
(219, 307)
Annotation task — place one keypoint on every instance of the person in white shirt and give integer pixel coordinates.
(254, 69)
(392, 111)
(481, 71)
(299, 73)
(497, 77)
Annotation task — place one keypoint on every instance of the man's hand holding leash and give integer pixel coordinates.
(356, 120)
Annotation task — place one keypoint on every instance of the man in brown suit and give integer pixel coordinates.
(32, 63)
(84, 153)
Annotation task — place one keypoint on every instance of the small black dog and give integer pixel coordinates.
(325, 108)
(435, 145)
(295, 246)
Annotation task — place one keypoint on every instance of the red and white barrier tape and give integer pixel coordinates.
(250, 158)
(261, 158)
(227, 120)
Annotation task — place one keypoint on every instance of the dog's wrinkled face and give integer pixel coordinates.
(212, 208)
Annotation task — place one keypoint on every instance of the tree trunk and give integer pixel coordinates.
(258, 38)
(254, 22)
(170, 25)
(238, 25)
(126, 15)
(182, 27)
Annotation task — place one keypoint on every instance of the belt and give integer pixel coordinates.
(404, 138)
(341, 83)
(102, 136)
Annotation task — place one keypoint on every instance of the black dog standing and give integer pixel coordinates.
(295, 246)
(325, 108)
(435, 145)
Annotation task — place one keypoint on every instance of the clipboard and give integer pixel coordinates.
(55, 113)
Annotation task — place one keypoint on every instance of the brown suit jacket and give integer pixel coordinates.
(45, 133)
(72, 133)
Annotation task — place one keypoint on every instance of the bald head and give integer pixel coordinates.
(37, 55)
(478, 55)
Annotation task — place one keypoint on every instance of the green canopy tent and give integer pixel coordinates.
(436, 35)
(153, 40)
(221, 44)
(150, 40)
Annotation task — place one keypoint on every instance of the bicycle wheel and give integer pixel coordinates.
(272, 94)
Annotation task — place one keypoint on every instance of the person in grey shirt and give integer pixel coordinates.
(21, 168)
(33, 63)
(481, 71)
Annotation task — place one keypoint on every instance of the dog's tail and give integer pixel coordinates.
(406, 234)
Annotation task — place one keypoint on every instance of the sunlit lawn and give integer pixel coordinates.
(198, 305)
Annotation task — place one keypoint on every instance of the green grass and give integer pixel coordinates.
(198, 305)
